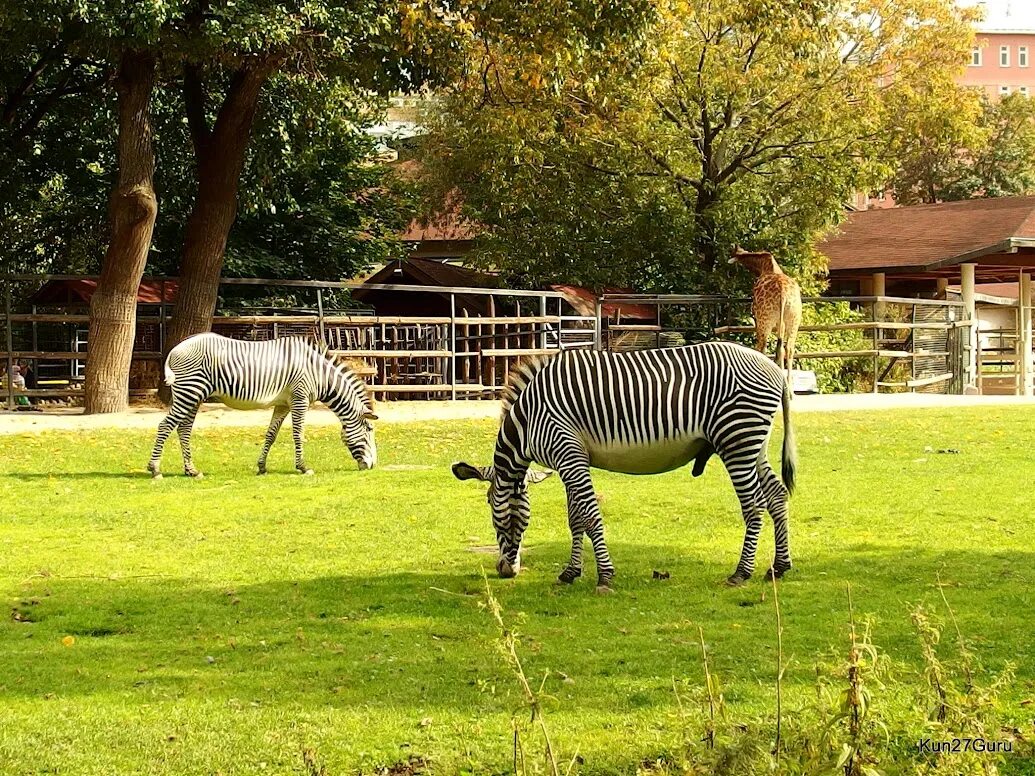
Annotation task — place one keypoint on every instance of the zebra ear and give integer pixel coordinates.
(534, 477)
(464, 471)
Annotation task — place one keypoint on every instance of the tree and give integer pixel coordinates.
(965, 145)
(233, 50)
(728, 121)
(134, 208)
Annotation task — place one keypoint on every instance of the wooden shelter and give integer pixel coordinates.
(919, 251)
(434, 275)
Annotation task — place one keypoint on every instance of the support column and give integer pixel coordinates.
(969, 314)
(1025, 339)
(942, 288)
(879, 284)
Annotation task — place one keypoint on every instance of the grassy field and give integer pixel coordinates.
(226, 625)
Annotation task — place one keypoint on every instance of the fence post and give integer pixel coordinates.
(970, 315)
(10, 344)
(543, 339)
(876, 347)
(1025, 340)
(319, 313)
(598, 326)
(452, 346)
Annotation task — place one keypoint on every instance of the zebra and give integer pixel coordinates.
(286, 374)
(642, 412)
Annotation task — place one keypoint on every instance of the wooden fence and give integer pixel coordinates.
(456, 356)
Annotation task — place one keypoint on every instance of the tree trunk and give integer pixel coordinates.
(133, 207)
(220, 156)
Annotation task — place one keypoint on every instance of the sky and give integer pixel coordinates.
(1006, 14)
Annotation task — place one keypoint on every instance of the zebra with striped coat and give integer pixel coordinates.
(286, 374)
(644, 412)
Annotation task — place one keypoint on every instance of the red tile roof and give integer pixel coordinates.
(584, 301)
(80, 291)
(924, 236)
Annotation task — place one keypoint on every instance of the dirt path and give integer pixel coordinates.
(413, 411)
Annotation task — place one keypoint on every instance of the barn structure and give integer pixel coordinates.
(975, 250)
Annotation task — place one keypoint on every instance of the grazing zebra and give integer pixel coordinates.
(643, 412)
(286, 374)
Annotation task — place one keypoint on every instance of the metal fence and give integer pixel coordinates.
(445, 356)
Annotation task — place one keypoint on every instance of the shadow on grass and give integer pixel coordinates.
(423, 639)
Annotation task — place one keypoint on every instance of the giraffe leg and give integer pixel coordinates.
(279, 413)
(775, 495)
(184, 432)
(584, 519)
(182, 406)
(741, 463)
(299, 406)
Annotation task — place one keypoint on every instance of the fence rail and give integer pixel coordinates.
(911, 344)
(455, 355)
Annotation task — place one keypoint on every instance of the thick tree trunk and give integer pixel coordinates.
(220, 160)
(133, 207)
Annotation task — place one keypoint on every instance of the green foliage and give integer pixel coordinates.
(835, 375)
(961, 144)
(643, 161)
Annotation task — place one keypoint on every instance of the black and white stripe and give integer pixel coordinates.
(643, 412)
(286, 374)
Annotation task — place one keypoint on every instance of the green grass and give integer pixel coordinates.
(225, 625)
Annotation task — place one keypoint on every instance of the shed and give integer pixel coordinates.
(433, 274)
(918, 251)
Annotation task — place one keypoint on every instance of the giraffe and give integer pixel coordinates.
(775, 304)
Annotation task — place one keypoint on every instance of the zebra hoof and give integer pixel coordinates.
(195, 475)
(737, 579)
(568, 576)
(307, 473)
(155, 476)
(604, 589)
(776, 572)
(260, 472)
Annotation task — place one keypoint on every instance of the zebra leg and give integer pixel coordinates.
(584, 518)
(184, 432)
(298, 408)
(181, 407)
(279, 413)
(742, 467)
(775, 495)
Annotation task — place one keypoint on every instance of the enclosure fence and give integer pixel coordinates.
(905, 344)
(455, 356)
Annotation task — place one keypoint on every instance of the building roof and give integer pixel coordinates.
(1004, 16)
(930, 237)
(79, 291)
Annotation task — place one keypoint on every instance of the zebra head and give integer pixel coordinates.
(508, 499)
(357, 434)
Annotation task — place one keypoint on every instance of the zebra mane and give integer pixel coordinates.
(519, 377)
(351, 377)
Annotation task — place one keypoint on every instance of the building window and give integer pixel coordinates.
(1004, 56)
(1022, 56)
(1024, 91)
(1004, 90)
(975, 56)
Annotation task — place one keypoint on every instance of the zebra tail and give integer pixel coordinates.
(789, 463)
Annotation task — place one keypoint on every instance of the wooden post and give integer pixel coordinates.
(1025, 338)
(10, 346)
(543, 338)
(452, 346)
(598, 326)
(942, 287)
(876, 346)
(970, 315)
(319, 313)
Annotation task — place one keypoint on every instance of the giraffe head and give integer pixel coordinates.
(510, 511)
(759, 262)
